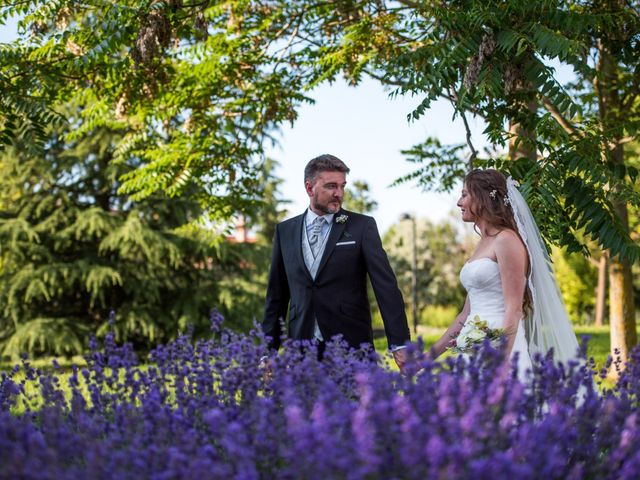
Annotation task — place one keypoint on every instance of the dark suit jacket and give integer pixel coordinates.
(338, 296)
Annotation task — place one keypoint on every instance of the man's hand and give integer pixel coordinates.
(266, 365)
(401, 357)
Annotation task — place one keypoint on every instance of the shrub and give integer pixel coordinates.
(438, 315)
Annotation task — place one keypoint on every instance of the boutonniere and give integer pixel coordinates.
(342, 218)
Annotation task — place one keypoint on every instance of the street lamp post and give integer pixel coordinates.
(414, 271)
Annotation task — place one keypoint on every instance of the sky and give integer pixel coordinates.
(367, 129)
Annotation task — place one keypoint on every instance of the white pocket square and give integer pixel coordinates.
(352, 242)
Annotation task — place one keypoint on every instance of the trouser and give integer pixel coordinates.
(321, 346)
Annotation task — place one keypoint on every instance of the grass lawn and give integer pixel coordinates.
(599, 343)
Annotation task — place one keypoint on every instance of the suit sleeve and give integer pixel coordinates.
(385, 287)
(277, 299)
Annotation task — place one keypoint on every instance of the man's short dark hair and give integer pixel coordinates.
(324, 163)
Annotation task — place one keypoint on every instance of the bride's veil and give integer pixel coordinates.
(548, 326)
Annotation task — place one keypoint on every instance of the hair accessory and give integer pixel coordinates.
(506, 200)
(493, 193)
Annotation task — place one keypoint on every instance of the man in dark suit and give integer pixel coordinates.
(319, 266)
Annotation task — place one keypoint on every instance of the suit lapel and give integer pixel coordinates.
(334, 235)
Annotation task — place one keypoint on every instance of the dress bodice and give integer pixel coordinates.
(481, 280)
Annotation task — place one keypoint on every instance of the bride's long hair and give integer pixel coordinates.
(489, 202)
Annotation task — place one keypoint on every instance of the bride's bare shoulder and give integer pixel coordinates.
(509, 241)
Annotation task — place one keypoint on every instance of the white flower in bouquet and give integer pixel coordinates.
(473, 333)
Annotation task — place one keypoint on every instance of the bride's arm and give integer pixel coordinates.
(443, 342)
(512, 262)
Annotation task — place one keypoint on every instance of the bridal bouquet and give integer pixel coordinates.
(474, 333)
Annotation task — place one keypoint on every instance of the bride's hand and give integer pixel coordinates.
(452, 340)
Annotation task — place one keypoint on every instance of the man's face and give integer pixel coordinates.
(326, 192)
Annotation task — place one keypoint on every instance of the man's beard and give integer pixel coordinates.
(326, 208)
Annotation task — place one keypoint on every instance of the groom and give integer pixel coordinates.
(319, 267)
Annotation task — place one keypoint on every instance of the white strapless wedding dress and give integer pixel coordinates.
(481, 280)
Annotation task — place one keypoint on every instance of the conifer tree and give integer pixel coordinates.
(73, 250)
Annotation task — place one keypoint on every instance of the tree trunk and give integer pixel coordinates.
(522, 141)
(621, 304)
(622, 316)
(601, 292)
(621, 310)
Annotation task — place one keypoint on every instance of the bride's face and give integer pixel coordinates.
(464, 203)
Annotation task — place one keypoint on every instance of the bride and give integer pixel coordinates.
(509, 280)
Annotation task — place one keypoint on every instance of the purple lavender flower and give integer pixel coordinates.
(215, 319)
(205, 409)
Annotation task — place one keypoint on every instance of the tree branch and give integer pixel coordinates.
(622, 141)
(474, 152)
(288, 45)
(473, 110)
(384, 81)
(558, 117)
(409, 3)
(631, 98)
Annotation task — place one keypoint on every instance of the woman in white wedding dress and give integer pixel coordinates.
(509, 280)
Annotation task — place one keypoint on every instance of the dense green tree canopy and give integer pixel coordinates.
(491, 59)
(202, 84)
(197, 86)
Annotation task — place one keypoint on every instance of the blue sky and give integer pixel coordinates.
(367, 130)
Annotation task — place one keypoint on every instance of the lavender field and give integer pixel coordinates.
(206, 409)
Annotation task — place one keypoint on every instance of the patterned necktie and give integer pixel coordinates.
(314, 237)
